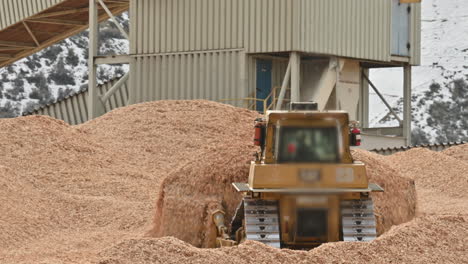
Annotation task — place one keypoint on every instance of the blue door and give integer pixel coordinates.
(263, 82)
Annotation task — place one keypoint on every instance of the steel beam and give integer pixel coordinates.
(16, 44)
(57, 21)
(114, 88)
(31, 34)
(295, 77)
(284, 86)
(407, 104)
(114, 59)
(364, 99)
(95, 107)
(109, 13)
(383, 99)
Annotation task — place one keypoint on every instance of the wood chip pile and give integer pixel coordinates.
(92, 193)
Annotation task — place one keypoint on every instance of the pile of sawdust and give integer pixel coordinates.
(68, 192)
(191, 193)
(459, 152)
(397, 204)
(441, 180)
(88, 194)
(440, 239)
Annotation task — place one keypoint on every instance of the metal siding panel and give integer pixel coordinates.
(202, 75)
(82, 99)
(13, 11)
(146, 20)
(185, 25)
(56, 111)
(79, 118)
(359, 29)
(416, 34)
(71, 113)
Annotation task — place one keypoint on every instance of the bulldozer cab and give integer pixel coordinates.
(306, 137)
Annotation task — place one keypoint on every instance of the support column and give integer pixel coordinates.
(364, 99)
(407, 104)
(295, 77)
(95, 107)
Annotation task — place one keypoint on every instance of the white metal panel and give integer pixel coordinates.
(400, 28)
(73, 109)
(355, 29)
(162, 26)
(370, 142)
(415, 37)
(212, 75)
(13, 11)
(359, 28)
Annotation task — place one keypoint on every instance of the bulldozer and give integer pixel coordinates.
(304, 188)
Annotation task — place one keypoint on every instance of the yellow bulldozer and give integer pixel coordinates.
(304, 188)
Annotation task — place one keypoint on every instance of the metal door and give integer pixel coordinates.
(263, 82)
(400, 28)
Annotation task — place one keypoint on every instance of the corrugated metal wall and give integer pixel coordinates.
(13, 11)
(350, 28)
(74, 109)
(187, 25)
(415, 34)
(186, 49)
(203, 75)
(358, 28)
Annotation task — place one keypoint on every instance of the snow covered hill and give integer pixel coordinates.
(59, 70)
(444, 68)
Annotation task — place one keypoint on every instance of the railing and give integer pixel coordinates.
(269, 103)
(248, 102)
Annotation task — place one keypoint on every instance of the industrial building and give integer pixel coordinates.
(259, 54)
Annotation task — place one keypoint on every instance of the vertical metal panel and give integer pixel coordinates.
(359, 28)
(203, 75)
(13, 11)
(251, 76)
(162, 26)
(415, 34)
(278, 72)
(73, 109)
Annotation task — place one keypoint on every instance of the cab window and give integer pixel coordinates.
(307, 144)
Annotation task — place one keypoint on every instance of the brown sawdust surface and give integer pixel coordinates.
(441, 180)
(459, 152)
(87, 194)
(191, 193)
(398, 191)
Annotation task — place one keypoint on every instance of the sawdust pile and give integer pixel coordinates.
(436, 239)
(191, 193)
(460, 152)
(398, 191)
(441, 180)
(88, 194)
(68, 192)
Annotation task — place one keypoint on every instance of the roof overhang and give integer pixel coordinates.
(48, 27)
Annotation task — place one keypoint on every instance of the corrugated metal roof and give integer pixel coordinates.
(28, 26)
(433, 147)
(73, 109)
(13, 11)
